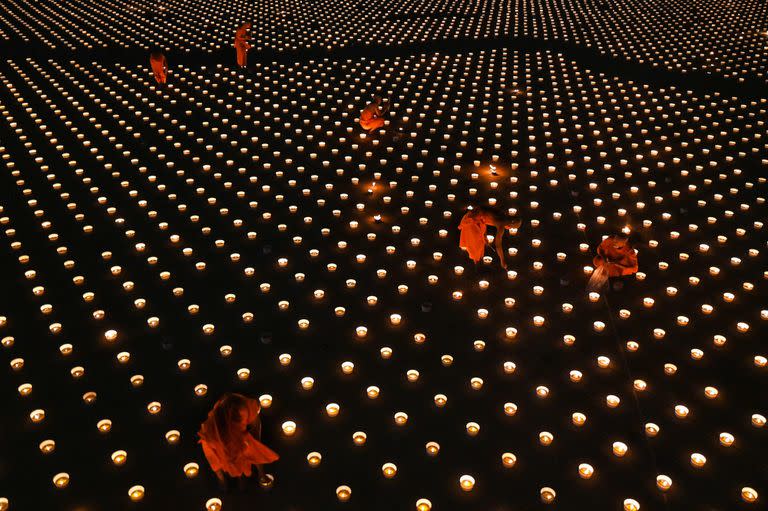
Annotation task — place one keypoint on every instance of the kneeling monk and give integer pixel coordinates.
(473, 227)
(615, 258)
(371, 116)
(230, 438)
(242, 44)
(159, 66)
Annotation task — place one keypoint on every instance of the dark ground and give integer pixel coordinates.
(451, 327)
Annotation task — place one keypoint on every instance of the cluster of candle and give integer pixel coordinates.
(708, 41)
(197, 204)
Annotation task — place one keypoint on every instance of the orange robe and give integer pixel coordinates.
(159, 68)
(242, 45)
(621, 262)
(473, 227)
(370, 119)
(227, 443)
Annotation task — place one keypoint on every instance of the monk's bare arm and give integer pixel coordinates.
(500, 231)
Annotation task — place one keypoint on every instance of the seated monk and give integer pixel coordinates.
(242, 44)
(159, 66)
(617, 256)
(473, 227)
(230, 438)
(371, 117)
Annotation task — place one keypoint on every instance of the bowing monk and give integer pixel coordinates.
(371, 117)
(159, 66)
(615, 258)
(230, 439)
(474, 225)
(242, 44)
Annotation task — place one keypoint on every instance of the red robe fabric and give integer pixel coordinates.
(369, 118)
(158, 68)
(242, 45)
(473, 227)
(227, 443)
(620, 262)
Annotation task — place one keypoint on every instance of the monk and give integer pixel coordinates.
(242, 44)
(230, 439)
(371, 117)
(159, 66)
(474, 225)
(615, 258)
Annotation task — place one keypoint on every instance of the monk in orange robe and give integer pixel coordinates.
(242, 44)
(159, 66)
(230, 438)
(371, 117)
(617, 256)
(473, 227)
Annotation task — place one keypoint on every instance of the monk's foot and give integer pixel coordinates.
(267, 481)
(618, 285)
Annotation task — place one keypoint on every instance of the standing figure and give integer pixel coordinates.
(371, 117)
(474, 225)
(159, 66)
(615, 258)
(242, 44)
(230, 439)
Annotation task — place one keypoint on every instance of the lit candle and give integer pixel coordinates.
(508, 459)
(47, 446)
(191, 470)
(698, 460)
(213, 504)
(547, 495)
(61, 480)
(136, 493)
(631, 505)
(586, 470)
(663, 482)
(343, 493)
(726, 439)
(289, 428)
(467, 482)
(314, 459)
(749, 494)
(389, 470)
(620, 449)
(307, 383)
(119, 457)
